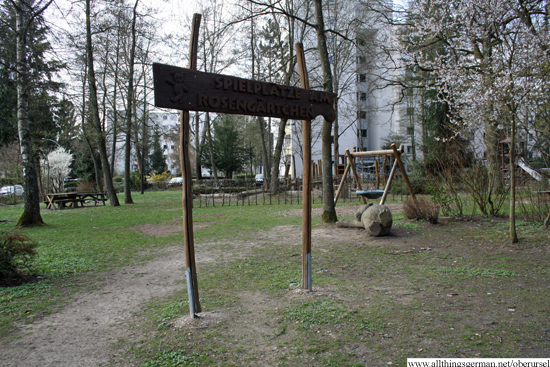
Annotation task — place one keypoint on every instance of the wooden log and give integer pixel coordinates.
(377, 152)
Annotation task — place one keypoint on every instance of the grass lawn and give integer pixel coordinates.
(455, 289)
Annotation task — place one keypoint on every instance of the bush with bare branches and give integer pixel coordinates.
(421, 209)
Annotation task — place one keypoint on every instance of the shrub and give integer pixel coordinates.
(16, 252)
(421, 209)
(70, 186)
(533, 207)
(86, 186)
(417, 177)
(160, 180)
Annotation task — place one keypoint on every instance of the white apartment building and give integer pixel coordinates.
(167, 124)
(382, 107)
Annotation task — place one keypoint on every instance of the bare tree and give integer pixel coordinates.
(94, 111)
(129, 111)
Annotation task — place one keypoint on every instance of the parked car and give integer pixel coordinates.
(259, 179)
(175, 181)
(10, 190)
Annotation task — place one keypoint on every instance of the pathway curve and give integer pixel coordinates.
(82, 333)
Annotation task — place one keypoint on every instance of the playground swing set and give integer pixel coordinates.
(374, 194)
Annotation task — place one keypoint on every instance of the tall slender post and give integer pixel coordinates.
(342, 183)
(388, 183)
(187, 192)
(351, 160)
(306, 192)
(402, 167)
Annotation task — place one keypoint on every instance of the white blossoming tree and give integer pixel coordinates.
(490, 65)
(57, 167)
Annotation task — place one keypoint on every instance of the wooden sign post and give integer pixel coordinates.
(306, 190)
(191, 90)
(187, 189)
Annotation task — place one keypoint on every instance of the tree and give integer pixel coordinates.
(94, 110)
(41, 86)
(492, 62)
(57, 167)
(317, 24)
(158, 162)
(25, 14)
(229, 154)
(129, 111)
(329, 211)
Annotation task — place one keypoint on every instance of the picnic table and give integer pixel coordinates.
(73, 199)
(62, 200)
(95, 197)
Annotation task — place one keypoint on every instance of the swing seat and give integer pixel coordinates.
(370, 194)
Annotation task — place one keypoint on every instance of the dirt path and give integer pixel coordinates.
(81, 334)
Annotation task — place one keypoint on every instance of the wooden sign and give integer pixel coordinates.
(191, 90)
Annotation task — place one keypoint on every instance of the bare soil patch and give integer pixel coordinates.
(165, 230)
(82, 333)
(457, 289)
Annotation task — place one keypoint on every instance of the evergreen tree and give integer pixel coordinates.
(41, 87)
(229, 154)
(157, 159)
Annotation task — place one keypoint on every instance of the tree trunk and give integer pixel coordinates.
(277, 155)
(31, 212)
(129, 103)
(329, 210)
(140, 148)
(143, 134)
(282, 124)
(95, 112)
(198, 167)
(211, 148)
(335, 134)
(267, 170)
(513, 234)
(115, 111)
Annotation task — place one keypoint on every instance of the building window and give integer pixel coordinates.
(362, 114)
(173, 147)
(409, 149)
(410, 111)
(410, 131)
(363, 97)
(362, 78)
(165, 147)
(361, 42)
(363, 133)
(362, 60)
